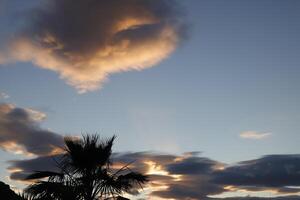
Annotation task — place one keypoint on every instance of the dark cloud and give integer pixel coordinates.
(199, 177)
(186, 177)
(257, 198)
(20, 169)
(86, 40)
(85, 26)
(269, 171)
(190, 187)
(20, 132)
(192, 165)
(191, 176)
(194, 178)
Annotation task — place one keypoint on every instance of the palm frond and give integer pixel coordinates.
(85, 173)
(52, 190)
(133, 177)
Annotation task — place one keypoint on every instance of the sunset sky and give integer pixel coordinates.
(200, 92)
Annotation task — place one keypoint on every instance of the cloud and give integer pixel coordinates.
(20, 169)
(255, 135)
(186, 177)
(190, 176)
(179, 186)
(269, 171)
(3, 95)
(20, 132)
(87, 40)
(259, 198)
(192, 165)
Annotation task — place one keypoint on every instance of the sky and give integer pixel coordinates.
(167, 77)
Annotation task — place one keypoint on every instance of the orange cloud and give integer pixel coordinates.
(87, 44)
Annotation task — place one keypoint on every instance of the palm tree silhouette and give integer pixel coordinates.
(86, 173)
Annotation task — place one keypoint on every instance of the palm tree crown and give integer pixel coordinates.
(85, 173)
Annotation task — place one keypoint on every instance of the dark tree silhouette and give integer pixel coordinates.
(7, 193)
(85, 173)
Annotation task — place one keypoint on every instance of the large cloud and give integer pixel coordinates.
(190, 176)
(269, 171)
(20, 132)
(86, 40)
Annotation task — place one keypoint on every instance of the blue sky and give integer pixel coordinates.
(237, 70)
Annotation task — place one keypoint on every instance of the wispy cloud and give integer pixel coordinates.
(96, 38)
(3, 95)
(254, 135)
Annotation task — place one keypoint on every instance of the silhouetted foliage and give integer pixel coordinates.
(8, 194)
(85, 173)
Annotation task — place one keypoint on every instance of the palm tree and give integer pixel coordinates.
(86, 173)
